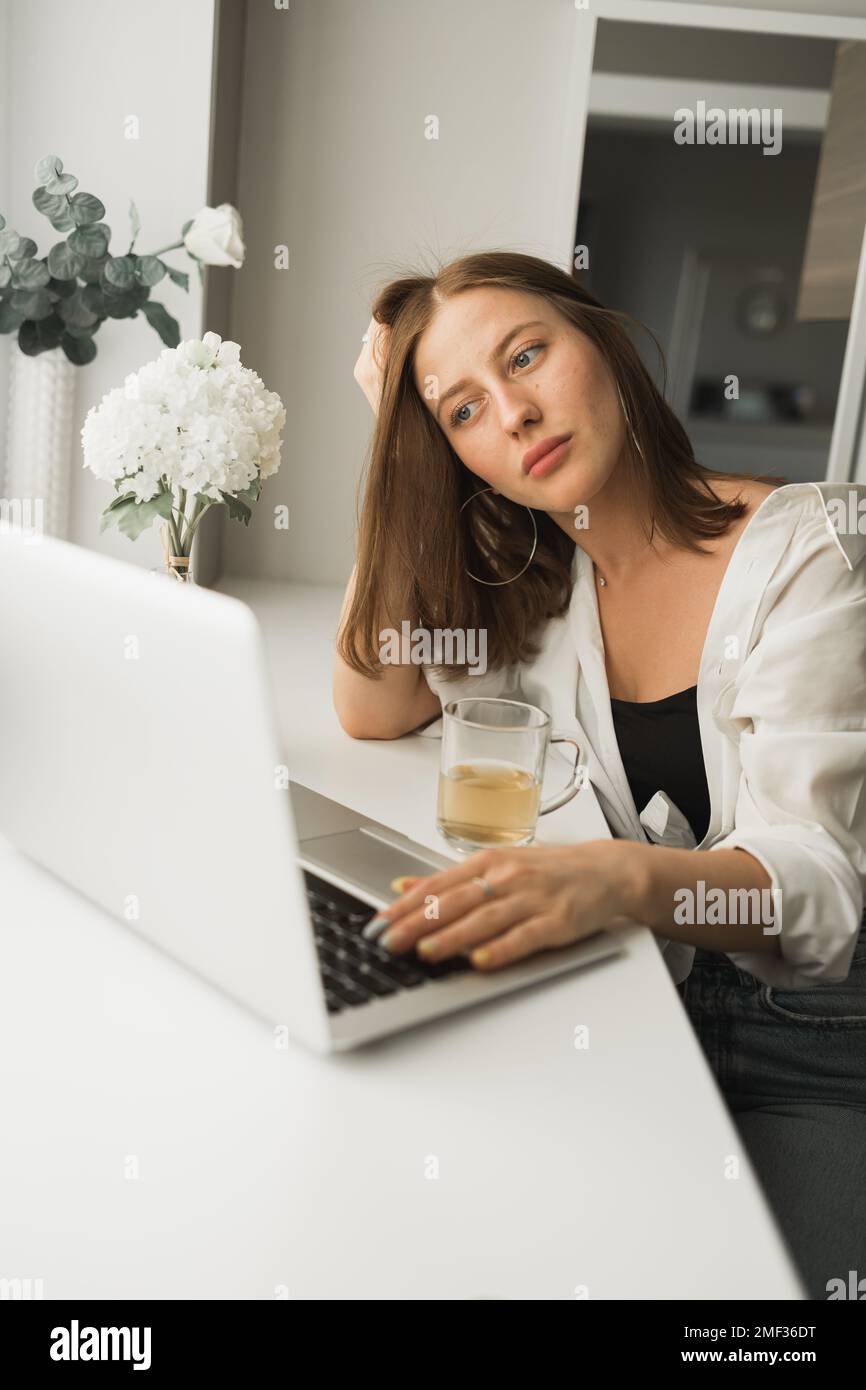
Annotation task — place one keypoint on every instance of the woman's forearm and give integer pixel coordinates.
(383, 707)
(718, 899)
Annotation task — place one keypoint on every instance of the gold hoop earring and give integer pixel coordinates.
(494, 583)
(629, 424)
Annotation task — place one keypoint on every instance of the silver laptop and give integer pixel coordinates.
(139, 763)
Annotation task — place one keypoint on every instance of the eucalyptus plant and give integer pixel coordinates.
(60, 300)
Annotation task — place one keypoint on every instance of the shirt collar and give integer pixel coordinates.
(755, 556)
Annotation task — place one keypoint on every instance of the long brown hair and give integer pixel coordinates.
(415, 545)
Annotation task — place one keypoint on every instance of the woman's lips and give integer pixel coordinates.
(549, 461)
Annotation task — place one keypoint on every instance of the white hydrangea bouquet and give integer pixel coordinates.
(191, 430)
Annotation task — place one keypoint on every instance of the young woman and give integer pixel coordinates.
(703, 634)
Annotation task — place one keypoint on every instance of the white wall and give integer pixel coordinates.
(852, 9)
(70, 75)
(4, 197)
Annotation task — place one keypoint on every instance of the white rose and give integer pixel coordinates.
(209, 351)
(216, 236)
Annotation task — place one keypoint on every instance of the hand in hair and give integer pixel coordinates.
(371, 361)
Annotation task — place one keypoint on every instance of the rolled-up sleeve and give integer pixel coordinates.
(799, 712)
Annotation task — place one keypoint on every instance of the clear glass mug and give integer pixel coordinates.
(491, 772)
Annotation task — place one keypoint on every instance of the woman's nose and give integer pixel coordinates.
(516, 411)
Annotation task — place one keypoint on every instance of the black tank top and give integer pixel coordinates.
(660, 746)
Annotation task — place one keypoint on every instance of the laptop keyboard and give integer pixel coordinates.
(354, 970)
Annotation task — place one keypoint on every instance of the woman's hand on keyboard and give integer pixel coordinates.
(542, 897)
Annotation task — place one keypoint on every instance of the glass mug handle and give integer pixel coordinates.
(575, 782)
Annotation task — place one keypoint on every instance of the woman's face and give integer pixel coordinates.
(523, 375)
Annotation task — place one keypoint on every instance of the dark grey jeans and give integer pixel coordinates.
(791, 1065)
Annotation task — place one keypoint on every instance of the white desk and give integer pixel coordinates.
(263, 1170)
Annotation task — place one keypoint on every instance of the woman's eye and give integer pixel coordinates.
(524, 352)
(535, 347)
(455, 413)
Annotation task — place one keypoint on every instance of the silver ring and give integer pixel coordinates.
(482, 883)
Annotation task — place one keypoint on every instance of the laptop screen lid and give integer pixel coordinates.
(140, 765)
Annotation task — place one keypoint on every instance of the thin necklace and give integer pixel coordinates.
(601, 579)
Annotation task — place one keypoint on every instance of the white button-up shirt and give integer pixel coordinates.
(781, 699)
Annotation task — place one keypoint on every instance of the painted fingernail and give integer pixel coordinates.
(402, 884)
(392, 940)
(375, 927)
(480, 957)
(427, 947)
